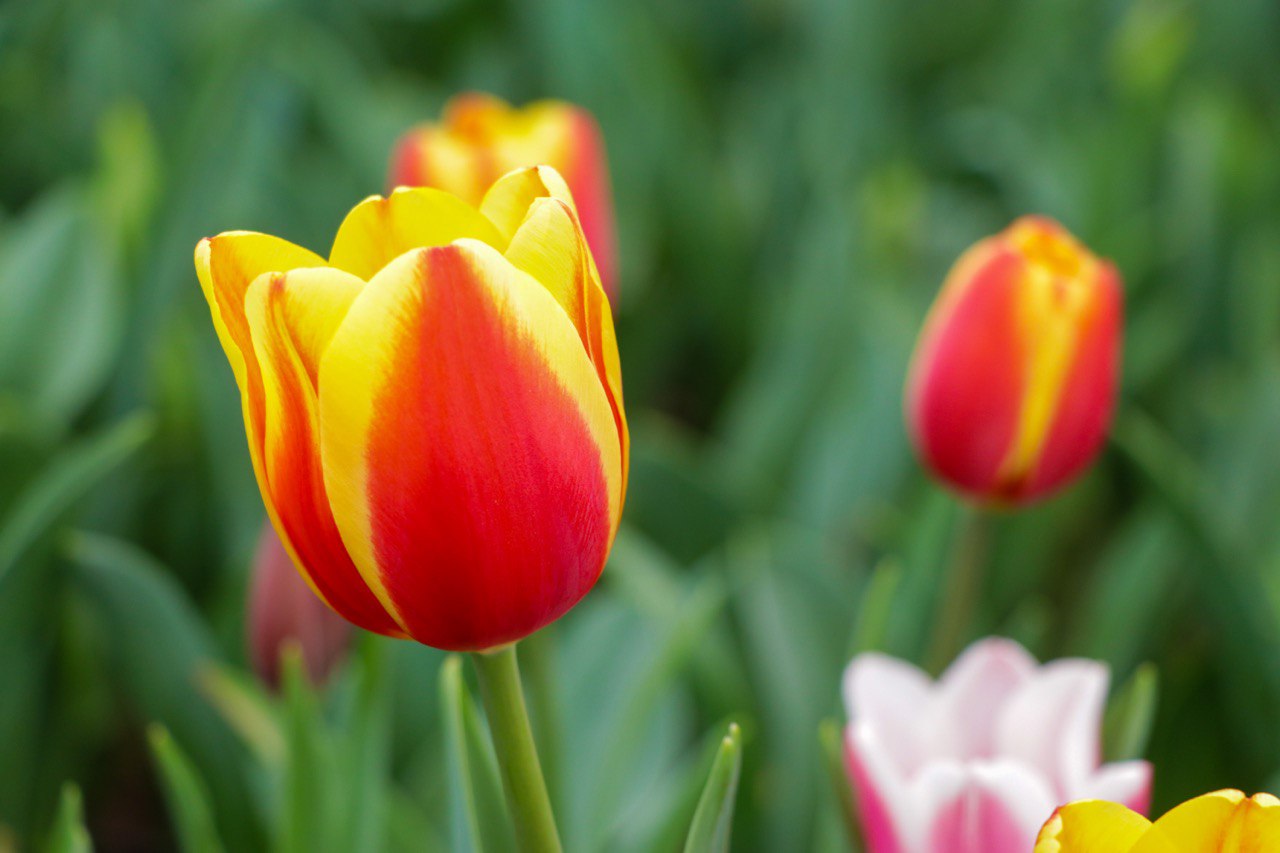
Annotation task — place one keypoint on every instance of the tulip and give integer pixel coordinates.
(973, 762)
(435, 413)
(1013, 379)
(1221, 822)
(480, 137)
(282, 609)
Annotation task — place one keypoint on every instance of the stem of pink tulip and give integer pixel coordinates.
(522, 780)
(965, 571)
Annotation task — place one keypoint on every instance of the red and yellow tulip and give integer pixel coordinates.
(435, 412)
(1014, 377)
(481, 137)
(1221, 822)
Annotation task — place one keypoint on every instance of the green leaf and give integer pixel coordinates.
(43, 504)
(713, 820)
(185, 792)
(69, 834)
(682, 631)
(876, 609)
(831, 736)
(61, 307)
(365, 753)
(242, 703)
(158, 644)
(1130, 715)
(670, 803)
(480, 818)
(307, 810)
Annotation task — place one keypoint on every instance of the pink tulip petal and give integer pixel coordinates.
(999, 809)
(871, 785)
(971, 693)
(1124, 782)
(893, 697)
(1052, 722)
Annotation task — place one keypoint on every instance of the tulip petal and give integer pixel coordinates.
(292, 317)
(997, 810)
(586, 171)
(429, 156)
(964, 394)
(226, 265)
(1093, 826)
(538, 247)
(972, 691)
(877, 789)
(508, 201)
(1052, 722)
(1078, 430)
(379, 230)
(893, 697)
(470, 452)
(1200, 825)
(1124, 782)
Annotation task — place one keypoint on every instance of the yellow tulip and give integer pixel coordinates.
(1221, 822)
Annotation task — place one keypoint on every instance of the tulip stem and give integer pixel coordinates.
(963, 585)
(526, 790)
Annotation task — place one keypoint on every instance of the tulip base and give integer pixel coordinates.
(522, 780)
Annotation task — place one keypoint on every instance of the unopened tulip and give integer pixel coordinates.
(973, 762)
(1221, 822)
(434, 413)
(281, 609)
(1014, 377)
(481, 137)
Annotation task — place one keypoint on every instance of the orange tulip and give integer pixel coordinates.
(434, 413)
(1013, 380)
(1221, 822)
(481, 137)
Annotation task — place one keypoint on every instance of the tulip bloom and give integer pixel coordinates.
(434, 413)
(1013, 380)
(1221, 822)
(481, 137)
(281, 609)
(972, 763)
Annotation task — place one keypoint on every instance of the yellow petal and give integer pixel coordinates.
(1196, 826)
(508, 201)
(226, 265)
(1091, 826)
(379, 230)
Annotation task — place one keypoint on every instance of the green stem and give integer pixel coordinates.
(526, 790)
(538, 651)
(963, 586)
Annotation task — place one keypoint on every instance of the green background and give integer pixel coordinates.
(792, 179)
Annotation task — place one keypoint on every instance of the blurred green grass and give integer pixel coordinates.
(793, 178)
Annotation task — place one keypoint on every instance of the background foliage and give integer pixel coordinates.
(793, 178)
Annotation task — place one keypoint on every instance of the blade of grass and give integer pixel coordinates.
(713, 820)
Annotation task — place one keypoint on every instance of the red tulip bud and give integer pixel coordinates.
(1013, 381)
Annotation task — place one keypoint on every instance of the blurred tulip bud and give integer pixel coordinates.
(1222, 822)
(976, 761)
(281, 608)
(1013, 380)
(480, 138)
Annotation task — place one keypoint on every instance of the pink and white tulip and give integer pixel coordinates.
(977, 760)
